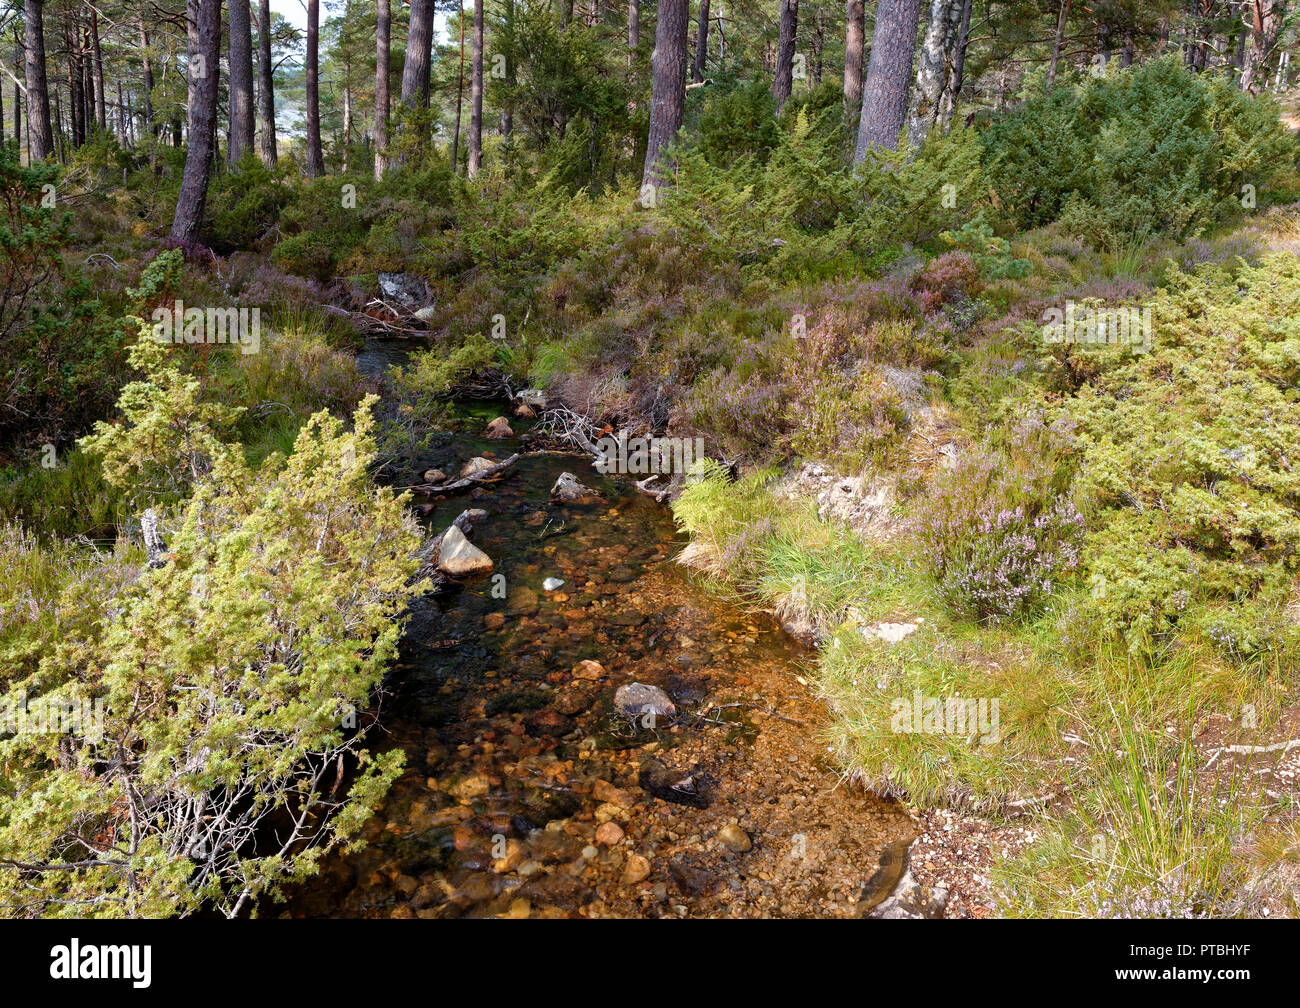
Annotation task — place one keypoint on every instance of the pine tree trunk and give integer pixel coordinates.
(460, 95)
(633, 29)
(668, 87)
(701, 43)
(204, 69)
(265, 86)
(18, 94)
(315, 166)
(1264, 19)
(476, 96)
(41, 141)
(419, 53)
(507, 111)
(383, 32)
(889, 75)
(854, 33)
(783, 79)
(76, 100)
(241, 80)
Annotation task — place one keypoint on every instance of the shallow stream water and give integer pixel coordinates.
(527, 794)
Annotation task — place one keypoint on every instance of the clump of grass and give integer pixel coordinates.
(881, 694)
(1149, 833)
(780, 554)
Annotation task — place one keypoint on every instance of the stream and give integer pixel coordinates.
(527, 794)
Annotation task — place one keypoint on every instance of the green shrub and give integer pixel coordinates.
(1150, 150)
(244, 204)
(226, 683)
(59, 353)
(1185, 471)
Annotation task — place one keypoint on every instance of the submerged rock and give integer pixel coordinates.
(459, 557)
(636, 699)
(498, 428)
(683, 788)
(521, 601)
(568, 489)
(588, 669)
(636, 870)
(734, 838)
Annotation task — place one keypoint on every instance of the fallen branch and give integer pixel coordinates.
(658, 495)
(373, 325)
(482, 476)
(1251, 750)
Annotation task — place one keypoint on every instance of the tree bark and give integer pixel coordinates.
(1264, 19)
(701, 43)
(508, 44)
(266, 86)
(419, 53)
(952, 93)
(476, 96)
(97, 70)
(18, 94)
(783, 79)
(932, 68)
(147, 67)
(460, 95)
(668, 87)
(76, 99)
(889, 74)
(853, 44)
(1063, 13)
(315, 158)
(41, 142)
(383, 33)
(633, 29)
(204, 69)
(241, 80)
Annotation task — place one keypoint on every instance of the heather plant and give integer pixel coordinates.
(999, 537)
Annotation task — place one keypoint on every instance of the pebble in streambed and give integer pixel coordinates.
(512, 803)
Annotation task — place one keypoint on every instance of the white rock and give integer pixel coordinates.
(891, 633)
